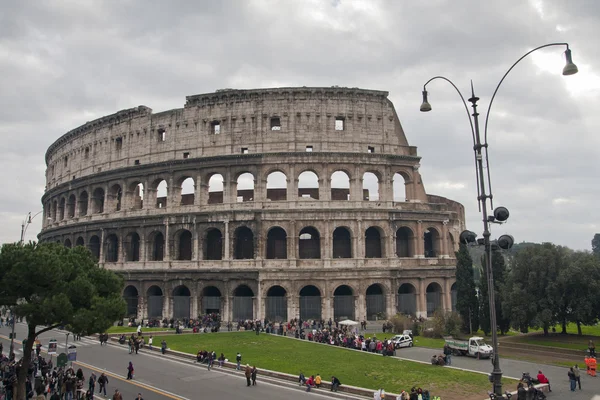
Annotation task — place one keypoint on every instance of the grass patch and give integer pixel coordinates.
(586, 330)
(351, 367)
(572, 342)
(131, 329)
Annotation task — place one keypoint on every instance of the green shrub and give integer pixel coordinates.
(446, 324)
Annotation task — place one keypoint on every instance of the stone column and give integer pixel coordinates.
(360, 306)
(444, 239)
(292, 184)
(194, 306)
(447, 295)
(167, 249)
(360, 240)
(293, 306)
(325, 186)
(420, 247)
(226, 315)
(227, 241)
(421, 300)
(198, 190)
(166, 311)
(326, 308)
(121, 251)
(195, 240)
(101, 258)
(327, 241)
(292, 242)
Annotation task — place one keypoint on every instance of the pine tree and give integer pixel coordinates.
(467, 304)
(484, 303)
(498, 268)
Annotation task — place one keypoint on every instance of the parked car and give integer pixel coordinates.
(402, 341)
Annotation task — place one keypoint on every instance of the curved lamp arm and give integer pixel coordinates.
(27, 221)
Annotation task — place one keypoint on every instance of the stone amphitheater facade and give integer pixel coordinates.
(266, 203)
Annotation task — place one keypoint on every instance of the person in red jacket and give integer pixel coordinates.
(542, 379)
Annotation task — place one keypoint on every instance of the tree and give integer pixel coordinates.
(498, 269)
(484, 301)
(50, 285)
(467, 304)
(596, 245)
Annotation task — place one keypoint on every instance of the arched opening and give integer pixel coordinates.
(340, 186)
(343, 303)
(181, 302)
(83, 203)
(342, 243)
(215, 189)
(310, 303)
(370, 187)
(276, 304)
(434, 298)
(453, 294)
(245, 187)
(308, 185)
(188, 189)
(162, 193)
(135, 194)
(61, 209)
(309, 244)
(67, 243)
(94, 246)
(407, 299)
(399, 188)
(404, 240)
(71, 206)
(276, 186)
(112, 248)
(130, 295)
(55, 211)
(213, 245)
(79, 241)
(157, 247)
(276, 244)
(244, 243)
(372, 243)
(98, 201)
(155, 301)
(431, 241)
(211, 300)
(243, 303)
(115, 195)
(184, 245)
(375, 302)
(132, 247)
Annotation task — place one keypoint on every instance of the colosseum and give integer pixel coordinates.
(267, 203)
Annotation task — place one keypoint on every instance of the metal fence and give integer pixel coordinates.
(343, 307)
(407, 304)
(181, 307)
(155, 306)
(375, 305)
(242, 308)
(132, 305)
(276, 308)
(211, 304)
(310, 307)
(433, 302)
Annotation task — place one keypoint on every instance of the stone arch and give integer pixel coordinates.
(83, 203)
(453, 296)
(374, 245)
(342, 243)
(215, 189)
(135, 195)
(245, 187)
(80, 241)
(310, 303)
(156, 246)
(243, 303)
(94, 246)
(61, 208)
(162, 193)
(98, 201)
(404, 242)
(276, 186)
(130, 295)
(434, 298)
(55, 210)
(115, 197)
(276, 243)
(370, 186)
(276, 304)
(407, 299)
(340, 186)
(343, 302)
(111, 248)
(67, 243)
(211, 300)
(71, 204)
(375, 299)
(400, 186)
(308, 185)
(184, 245)
(155, 301)
(431, 242)
(181, 302)
(132, 246)
(309, 243)
(244, 243)
(213, 244)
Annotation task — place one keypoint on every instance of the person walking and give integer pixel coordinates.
(92, 383)
(572, 380)
(238, 359)
(139, 397)
(150, 342)
(130, 371)
(102, 381)
(163, 347)
(117, 395)
(248, 373)
(592, 348)
(253, 375)
(448, 354)
(577, 374)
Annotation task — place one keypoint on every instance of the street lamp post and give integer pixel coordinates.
(500, 214)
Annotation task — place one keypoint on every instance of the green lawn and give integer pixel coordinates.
(131, 329)
(351, 367)
(592, 330)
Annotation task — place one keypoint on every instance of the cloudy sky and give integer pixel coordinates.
(63, 63)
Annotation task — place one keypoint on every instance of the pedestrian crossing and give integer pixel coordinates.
(61, 346)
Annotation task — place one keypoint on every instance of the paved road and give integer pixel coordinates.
(159, 378)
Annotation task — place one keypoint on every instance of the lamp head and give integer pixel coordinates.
(570, 68)
(425, 106)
